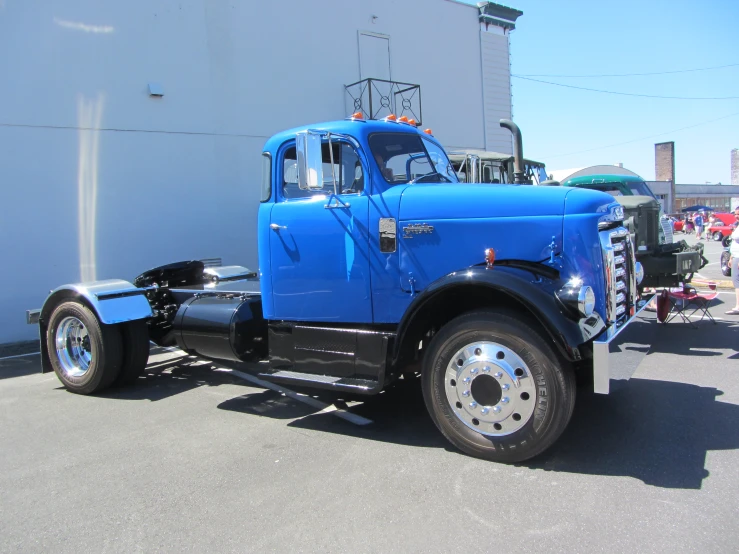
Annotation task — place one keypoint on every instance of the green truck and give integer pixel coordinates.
(666, 262)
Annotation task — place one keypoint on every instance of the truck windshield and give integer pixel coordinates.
(630, 188)
(405, 158)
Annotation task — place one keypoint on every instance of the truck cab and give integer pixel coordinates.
(481, 166)
(376, 264)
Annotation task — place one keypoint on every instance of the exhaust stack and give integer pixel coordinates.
(519, 175)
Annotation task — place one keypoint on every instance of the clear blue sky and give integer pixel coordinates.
(597, 37)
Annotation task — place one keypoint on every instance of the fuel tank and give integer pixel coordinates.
(223, 326)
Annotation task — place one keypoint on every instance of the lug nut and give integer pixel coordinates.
(499, 375)
(504, 400)
(484, 411)
(466, 393)
(496, 409)
(473, 370)
(486, 369)
(473, 404)
(466, 380)
(506, 386)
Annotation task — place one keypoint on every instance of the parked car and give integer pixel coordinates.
(722, 227)
(677, 225)
(725, 267)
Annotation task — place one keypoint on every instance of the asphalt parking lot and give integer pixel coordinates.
(201, 457)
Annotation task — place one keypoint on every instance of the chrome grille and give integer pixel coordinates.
(621, 271)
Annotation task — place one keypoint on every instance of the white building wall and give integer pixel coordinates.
(496, 79)
(100, 180)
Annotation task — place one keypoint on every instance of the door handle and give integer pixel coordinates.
(276, 227)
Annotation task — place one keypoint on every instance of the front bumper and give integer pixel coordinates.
(603, 359)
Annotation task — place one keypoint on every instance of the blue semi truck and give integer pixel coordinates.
(376, 263)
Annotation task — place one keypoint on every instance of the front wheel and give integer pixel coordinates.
(718, 236)
(495, 388)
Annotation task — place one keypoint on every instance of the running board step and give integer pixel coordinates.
(329, 382)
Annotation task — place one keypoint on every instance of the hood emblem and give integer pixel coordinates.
(417, 229)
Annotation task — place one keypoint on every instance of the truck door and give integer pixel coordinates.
(320, 255)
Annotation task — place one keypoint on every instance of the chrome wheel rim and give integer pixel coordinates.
(73, 348)
(490, 389)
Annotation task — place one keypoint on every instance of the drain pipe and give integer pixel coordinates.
(519, 176)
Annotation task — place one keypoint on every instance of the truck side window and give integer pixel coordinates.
(347, 170)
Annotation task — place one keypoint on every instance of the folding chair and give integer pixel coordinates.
(682, 302)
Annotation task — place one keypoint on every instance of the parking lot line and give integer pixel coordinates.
(20, 356)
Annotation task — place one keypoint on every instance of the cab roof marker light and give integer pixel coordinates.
(428, 132)
(357, 116)
(391, 118)
(412, 122)
(402, 119)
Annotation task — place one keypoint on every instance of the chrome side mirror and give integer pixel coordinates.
(310, 160)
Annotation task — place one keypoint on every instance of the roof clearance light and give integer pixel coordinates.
(489, 257)
(412, 122)
(403, 119)
(357, 115)
(391, 117)
(428, 131)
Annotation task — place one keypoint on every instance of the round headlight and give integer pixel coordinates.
(639, 270)
(586, 301)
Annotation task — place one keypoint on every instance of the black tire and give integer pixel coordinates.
(102, 343)
(725, 267)
(726, 242)
(552, 387)
(135, 351)
(718, 236)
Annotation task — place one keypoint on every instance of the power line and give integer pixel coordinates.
(629, 93)
(630, 74)
(640, 139)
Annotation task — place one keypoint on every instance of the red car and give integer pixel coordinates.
(722, 227)
(678, 225)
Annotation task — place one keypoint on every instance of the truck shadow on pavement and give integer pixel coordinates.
(654, 431)
(706, 340)
(170, 377)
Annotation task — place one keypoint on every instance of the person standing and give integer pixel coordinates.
(734, 262)
(698, 221)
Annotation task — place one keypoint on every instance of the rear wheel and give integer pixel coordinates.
(135, 336)
(85, 354)
(718, 236)
(495, 388)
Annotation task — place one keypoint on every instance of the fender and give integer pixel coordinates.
(113, 301)
(532, 288)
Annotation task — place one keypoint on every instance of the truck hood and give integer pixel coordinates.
(447, 227)
(470, 201)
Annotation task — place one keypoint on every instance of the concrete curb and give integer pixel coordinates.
(720, 284)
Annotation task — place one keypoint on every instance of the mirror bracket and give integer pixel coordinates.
(309, 160)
